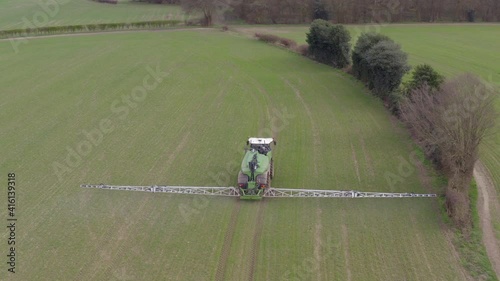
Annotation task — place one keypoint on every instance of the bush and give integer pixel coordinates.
(268, 38)
(302, 49)
(365, 42)
(453, 121)
(329, 44)
(423, 74)
(86, 28)
(288, 43)
(387, 64)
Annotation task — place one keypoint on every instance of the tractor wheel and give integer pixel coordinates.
(271, 170)
(269, 179)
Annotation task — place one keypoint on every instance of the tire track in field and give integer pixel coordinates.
(315, 130)
(355, 161)
(256, 239)
(228, 239)
(345, 241)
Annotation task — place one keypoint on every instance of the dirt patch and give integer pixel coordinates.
(487, 198)
(256, 239)
(228, 239)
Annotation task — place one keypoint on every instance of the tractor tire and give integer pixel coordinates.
(271, 170)
(269, 179)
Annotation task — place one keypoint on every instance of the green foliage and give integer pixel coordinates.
(329, 44)
(366, 41)
(386, 64)
(424, 74)
(87, 28)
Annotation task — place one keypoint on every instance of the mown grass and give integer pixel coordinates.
(15, 13)
(190, 130)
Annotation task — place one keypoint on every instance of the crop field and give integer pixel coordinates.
(23, 13)
(154, 108)
(450, 48)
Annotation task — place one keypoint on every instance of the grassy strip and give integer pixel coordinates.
(470, 247)
(49, 30)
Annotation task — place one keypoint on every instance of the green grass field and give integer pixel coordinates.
(451, 49)
(190, 130)
(15, 13)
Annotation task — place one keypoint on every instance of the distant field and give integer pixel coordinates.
(14, 13)
(451, 49)
(190, 130)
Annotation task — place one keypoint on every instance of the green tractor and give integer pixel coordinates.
(256, 168)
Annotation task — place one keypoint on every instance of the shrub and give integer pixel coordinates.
(453, 121)
(288, 43)
(302, 49)
(329, 44)
(365, 42)
(268, 38)
(423, 74)
(387, 64)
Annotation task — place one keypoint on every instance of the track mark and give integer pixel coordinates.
(421, 246)
(228, 239)
(256, 239)
(317, 240)
(345, 241)
(355, 163)
(368, 159)
(486, 190)
(315, 130)
(172, 155)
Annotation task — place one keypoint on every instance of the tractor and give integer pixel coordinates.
(257, 168)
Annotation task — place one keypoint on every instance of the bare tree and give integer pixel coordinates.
(208, 8)
(450, 124)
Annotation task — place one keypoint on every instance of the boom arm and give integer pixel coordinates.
(269, 192)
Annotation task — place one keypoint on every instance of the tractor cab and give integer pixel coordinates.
(261, 145)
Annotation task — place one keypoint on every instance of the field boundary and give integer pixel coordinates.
(486, 190)
(24, 32)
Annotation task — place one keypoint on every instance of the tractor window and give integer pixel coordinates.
(261, 148)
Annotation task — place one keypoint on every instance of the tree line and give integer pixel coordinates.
(448, 118)
(343, 11)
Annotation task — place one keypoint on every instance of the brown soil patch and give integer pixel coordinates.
(487, 198)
